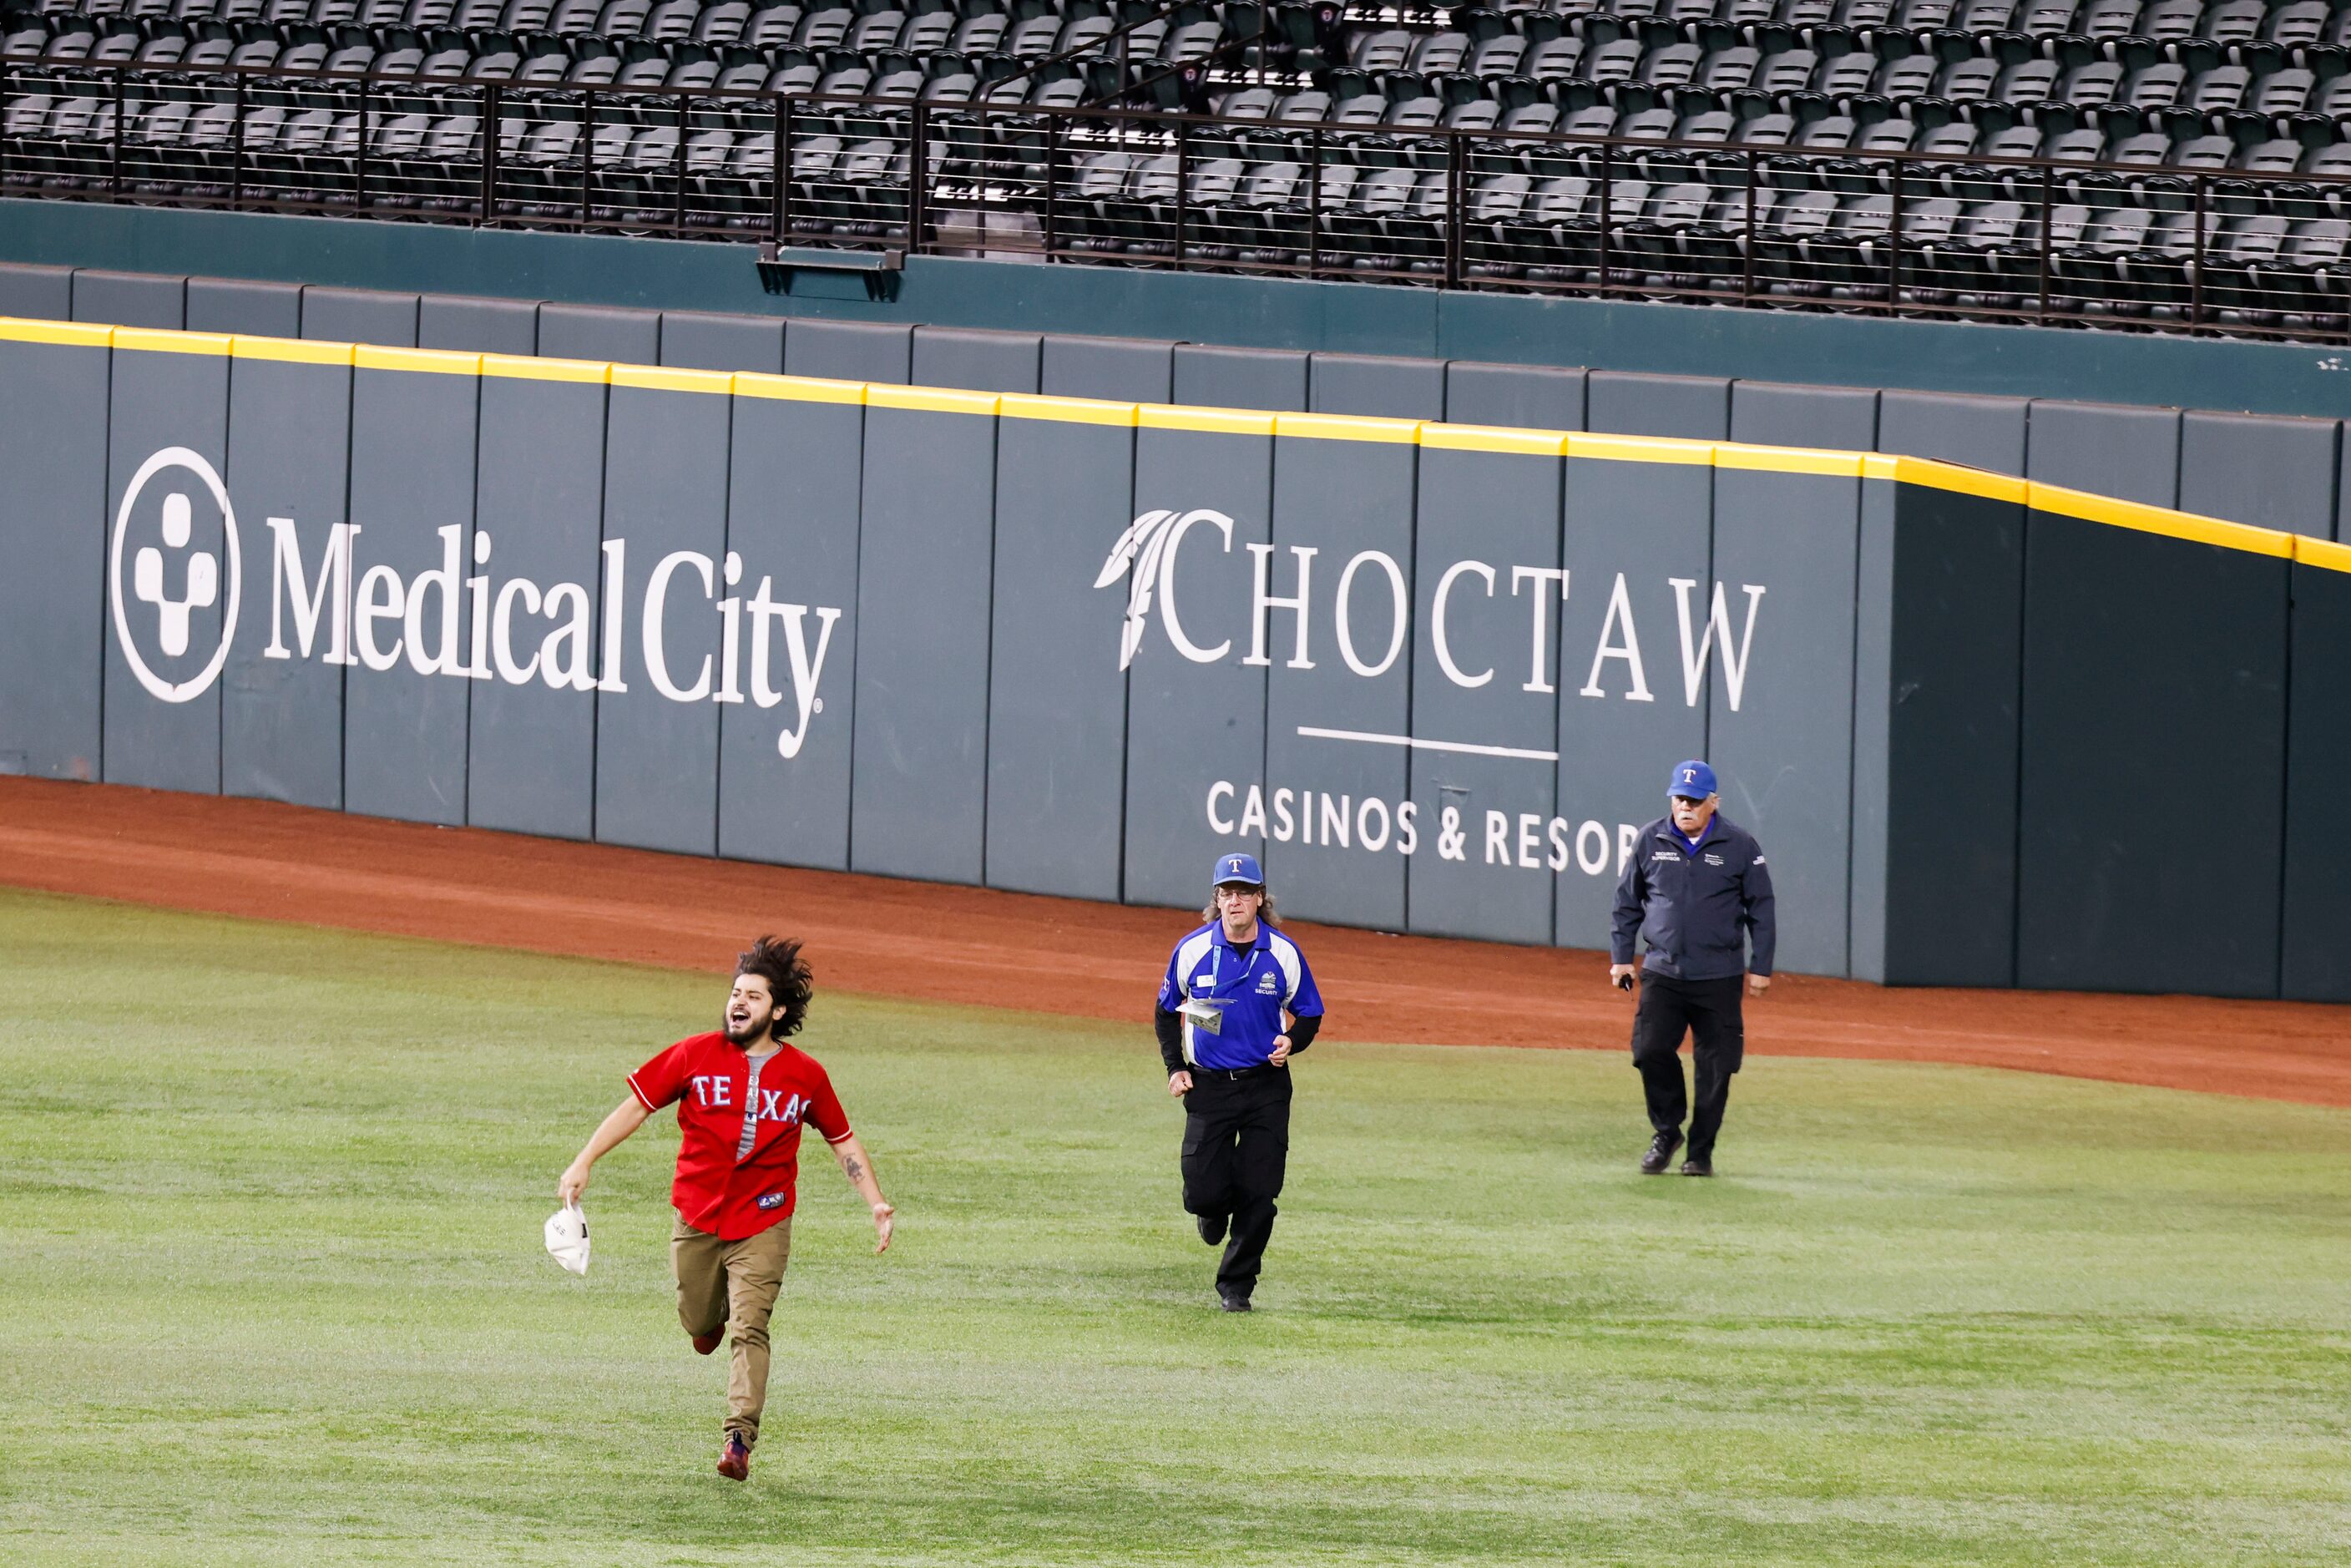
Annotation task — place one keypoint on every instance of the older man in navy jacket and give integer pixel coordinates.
(1696, 891)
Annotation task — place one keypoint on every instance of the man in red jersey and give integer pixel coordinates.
(742, 1095)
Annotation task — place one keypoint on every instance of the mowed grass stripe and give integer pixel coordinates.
(271, 1291)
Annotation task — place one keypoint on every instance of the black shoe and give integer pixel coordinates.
(1233, 1301)
(1661, 1153)
(1212, 1227)
(1699, 1164)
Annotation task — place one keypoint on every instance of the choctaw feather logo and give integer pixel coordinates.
(1146, 550)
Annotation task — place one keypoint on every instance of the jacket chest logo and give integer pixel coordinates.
(1267, 984)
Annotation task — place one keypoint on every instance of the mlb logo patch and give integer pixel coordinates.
(772, 1200)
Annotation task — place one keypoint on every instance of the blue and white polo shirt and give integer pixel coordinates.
(1251, 986)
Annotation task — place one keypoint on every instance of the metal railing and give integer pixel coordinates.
(2237, 251)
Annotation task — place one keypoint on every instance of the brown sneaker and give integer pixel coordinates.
(704, 1344)
(735, 1459)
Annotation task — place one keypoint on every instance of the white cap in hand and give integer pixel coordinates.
(567, 1237)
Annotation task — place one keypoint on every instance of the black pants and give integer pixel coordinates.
(1707, 1011)
(1236, 1150)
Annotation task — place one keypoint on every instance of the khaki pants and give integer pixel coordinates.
(733, 1282)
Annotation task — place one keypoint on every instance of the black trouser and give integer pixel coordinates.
(1236, 1149)
(1707, 1011)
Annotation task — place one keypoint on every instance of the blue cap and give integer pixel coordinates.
(1693, 779)
(1239, 868)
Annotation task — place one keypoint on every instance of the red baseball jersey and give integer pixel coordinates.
(738, 1154)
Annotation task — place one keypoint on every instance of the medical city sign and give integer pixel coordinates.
(444, 621)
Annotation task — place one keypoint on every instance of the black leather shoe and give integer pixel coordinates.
(1234, 1302)
(1212, 1227)
(1661, 1153)
(1698, 1164)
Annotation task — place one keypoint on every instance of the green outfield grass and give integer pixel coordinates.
(271, 1289)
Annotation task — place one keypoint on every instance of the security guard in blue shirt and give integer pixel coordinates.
(1236, 1003)
(1696, 889)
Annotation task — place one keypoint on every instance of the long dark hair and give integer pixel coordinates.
(777, 961)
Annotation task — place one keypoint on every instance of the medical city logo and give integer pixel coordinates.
(698, 628)
(172, 577)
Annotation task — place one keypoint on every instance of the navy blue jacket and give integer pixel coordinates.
(1695, 912)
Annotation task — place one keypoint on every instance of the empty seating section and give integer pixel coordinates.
(2143, 161)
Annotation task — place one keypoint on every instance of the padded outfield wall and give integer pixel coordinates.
(1990, 732)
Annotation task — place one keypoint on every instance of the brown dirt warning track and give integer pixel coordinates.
(1050, 955)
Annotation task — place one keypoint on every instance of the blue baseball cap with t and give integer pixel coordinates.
(1240, 869)
(1692, 780)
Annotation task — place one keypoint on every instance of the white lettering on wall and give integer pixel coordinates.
(1436, 629)
(1397, 627)
(1718, 624)
(334, 587)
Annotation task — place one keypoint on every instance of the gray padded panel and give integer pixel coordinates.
(1346, 501)
(1270, 379)
(1117, 370)
(161, 401)
(792, 515)
(289, 459)
(603, 334)
(1777, 413)
(2162, 665)
(1624, 402)
(2107, 449)
(665, 472)
(243, 304)
(1938, 652)
(53, 609)
(413, 444)
(849, 350)
(976, 360)
(1378, 385)
(360, 316)
(1193, 723)
(698, 340)
(1784, 754)
(2316, 959)
(1625, 710)
(1502, 510)
(539, 497)
(477, 325)
(35, 293)
(2252, 468)
(1985, 433)
(925, 538)
(1529, 397)
(129, 299)
(1057, 698)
